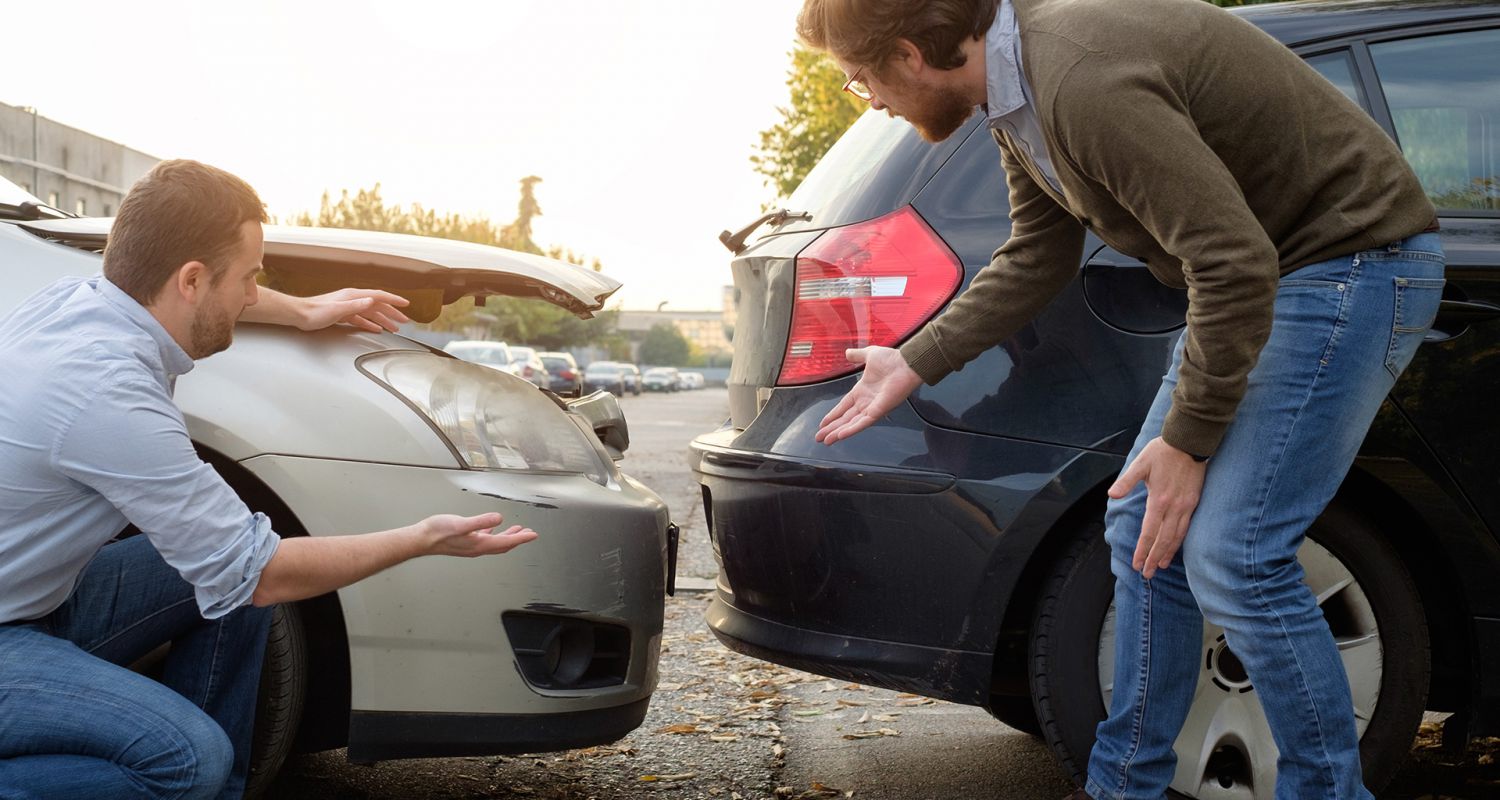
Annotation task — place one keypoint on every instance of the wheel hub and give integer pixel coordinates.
(1226, 670)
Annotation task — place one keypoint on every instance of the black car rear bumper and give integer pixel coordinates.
(957, 675)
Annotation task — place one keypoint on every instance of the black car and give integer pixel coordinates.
(563, 373)
(954, 548)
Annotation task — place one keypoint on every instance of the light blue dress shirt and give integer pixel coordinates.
(90, 440)
(1009, 106)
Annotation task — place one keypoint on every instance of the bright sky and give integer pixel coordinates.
(639, 115)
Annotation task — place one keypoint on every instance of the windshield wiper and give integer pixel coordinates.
(736, 241)
(31, 211)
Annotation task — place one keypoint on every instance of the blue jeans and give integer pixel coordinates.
(74, 722)
(1344, 330)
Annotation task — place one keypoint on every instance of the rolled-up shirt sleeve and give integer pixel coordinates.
(130, 444)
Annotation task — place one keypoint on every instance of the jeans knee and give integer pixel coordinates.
(192, 761)
(1220, 583)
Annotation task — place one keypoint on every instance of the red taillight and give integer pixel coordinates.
(871, 283)
(568, 375)
(527, 371)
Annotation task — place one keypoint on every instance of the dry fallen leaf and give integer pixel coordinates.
(725, 737)
(685, 727)
(886, 717)
(875, 734)
(808, 712)
(854, 703)
(679, 777)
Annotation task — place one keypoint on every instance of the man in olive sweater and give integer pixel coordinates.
(1182, 135)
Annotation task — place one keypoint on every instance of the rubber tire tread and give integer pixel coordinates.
(1064, 615)
(283, 690)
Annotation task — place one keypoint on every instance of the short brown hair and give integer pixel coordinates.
(865, 32)
(180, 211)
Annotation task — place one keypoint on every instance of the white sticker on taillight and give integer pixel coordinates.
(834, 288)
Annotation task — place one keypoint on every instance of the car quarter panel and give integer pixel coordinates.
(427, 635)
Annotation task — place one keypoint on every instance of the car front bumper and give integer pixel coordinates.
(433, 638)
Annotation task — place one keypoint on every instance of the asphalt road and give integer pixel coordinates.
(727, 727)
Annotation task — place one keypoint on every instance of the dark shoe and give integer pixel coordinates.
(1078, 794)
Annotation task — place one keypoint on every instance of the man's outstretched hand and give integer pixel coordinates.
(467, 537)
(369, 309)
(886, 382)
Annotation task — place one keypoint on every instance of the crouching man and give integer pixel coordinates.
(90, 440)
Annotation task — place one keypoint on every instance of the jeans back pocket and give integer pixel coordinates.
(1417, 301)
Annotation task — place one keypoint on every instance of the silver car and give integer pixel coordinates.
(341, 430)
(495, 355)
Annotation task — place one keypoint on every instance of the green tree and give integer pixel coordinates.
(664, 345)
(512, 319)
(818, 114)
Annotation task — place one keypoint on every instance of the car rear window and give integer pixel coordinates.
(878, 165)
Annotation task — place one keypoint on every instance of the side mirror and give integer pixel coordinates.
(602, 411)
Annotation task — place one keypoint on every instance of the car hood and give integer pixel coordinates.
(427, 271)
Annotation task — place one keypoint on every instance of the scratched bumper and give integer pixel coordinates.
(428, 636)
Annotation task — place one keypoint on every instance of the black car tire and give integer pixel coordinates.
(1076, 597)
(283, 689)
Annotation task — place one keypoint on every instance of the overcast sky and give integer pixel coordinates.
(639, 115)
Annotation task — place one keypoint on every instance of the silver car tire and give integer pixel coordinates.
(1225, 751)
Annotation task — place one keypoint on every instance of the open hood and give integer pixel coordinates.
(429, 272)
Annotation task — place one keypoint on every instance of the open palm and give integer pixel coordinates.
(886, 382)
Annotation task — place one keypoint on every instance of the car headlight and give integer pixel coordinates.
(490, 419)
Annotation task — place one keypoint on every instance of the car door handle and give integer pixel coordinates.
(1455, 316)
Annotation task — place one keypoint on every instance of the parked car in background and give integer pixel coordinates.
(661, 379)
(495, 355)
(606, 376)
(343, 430)
(692, 380)
(632, 375)
(529, 366)
(567, 378)
(1002, 468)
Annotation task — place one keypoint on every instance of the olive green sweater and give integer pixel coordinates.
(1184, 136)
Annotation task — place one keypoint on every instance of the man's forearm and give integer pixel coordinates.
(308, 566)
(275, 308)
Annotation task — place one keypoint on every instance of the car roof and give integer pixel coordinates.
(1308, 21)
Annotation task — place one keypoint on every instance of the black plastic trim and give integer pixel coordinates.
(383, 735)
(960, 676)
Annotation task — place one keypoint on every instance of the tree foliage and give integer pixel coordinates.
(664, 345)
(512, 319)
(818, 114)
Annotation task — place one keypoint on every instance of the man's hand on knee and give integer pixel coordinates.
(1174, 482)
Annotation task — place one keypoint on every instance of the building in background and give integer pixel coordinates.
(705, 330)
(67, 168)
